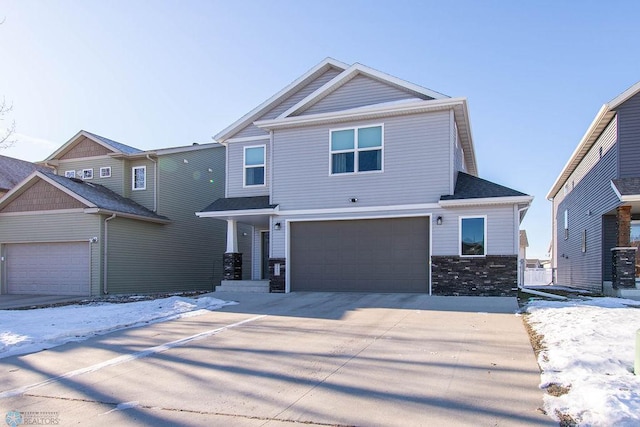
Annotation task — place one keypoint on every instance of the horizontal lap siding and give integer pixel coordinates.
(251, 130)
(143, 197)
(629, 137)
(586, 203)
(115, 183)
(54, 227)
(185, 254)
(416, 166)
(358, 92)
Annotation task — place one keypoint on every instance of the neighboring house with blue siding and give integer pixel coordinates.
(102, 217)
(596, 203)
(354, 180)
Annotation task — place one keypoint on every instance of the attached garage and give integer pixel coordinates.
(48, 268)
(370, 255)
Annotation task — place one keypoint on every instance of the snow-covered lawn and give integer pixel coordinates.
(588, 359)
(26, 331)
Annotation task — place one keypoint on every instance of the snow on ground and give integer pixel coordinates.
(590, 349)
(27, 331)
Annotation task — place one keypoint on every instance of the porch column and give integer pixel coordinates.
(624, 255)
(232, 260)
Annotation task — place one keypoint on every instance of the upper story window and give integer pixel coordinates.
(356, 150)
(473, 236)
(70, 174)
(87, 173)
(105, 172)
(566, 224)
(254, 165)
(139, 178)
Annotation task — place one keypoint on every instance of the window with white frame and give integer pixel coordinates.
(356, 150)
(566, 224)
(473, 236)
(139, 178)
(105, 172)
(254, 165)
(87, 173)
(70, 174)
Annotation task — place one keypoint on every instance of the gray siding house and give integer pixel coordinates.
(350, 179)
(596, 203)
(109, 218)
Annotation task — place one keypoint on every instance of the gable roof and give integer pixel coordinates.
(627, 189)
(471, 189)
(350, 73)
(287, 91)
(116, 147)
(12, 171)
(97, 198)
(603, 118)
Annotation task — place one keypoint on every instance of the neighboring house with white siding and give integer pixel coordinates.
(596, 203)
(110, 218)
(354, 180)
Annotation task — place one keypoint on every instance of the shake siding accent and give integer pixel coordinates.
(114, 183)
(185, 254)
(236, 170)
(251, 130)
(42, 196)
(49, 227)
(144, 197)
(629, 137)
(591, 198)
(86, 148)
(358, 92)
(415, 166)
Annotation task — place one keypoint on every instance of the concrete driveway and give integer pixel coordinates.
(300, 358)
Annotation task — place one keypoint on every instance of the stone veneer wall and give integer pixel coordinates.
(277, 282)
(232, 266)
(493, 275)
(624, 267)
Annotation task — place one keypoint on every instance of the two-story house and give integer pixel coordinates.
(596, 203)
(110, 218)
(354, 180)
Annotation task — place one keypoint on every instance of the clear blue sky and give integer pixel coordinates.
(155, 74)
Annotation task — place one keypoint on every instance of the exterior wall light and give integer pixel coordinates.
(277, 226)
(439, 220)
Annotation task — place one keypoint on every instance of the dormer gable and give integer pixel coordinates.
(86, 144)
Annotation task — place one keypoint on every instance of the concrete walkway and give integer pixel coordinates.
(301, 358)
(10, 302)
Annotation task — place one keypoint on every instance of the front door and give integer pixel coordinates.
(265, 255)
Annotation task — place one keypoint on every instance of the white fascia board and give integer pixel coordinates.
(64, 146)
(625, 198)
(602, 119)
(19, 189)
(184, 149)
(467, 139)
(361, 113)
(271, 102)
(349, 74)
(238, 213)
(126, 215)
(486, 201)
(615, 190)
(624, 96)
(248, 139)
(359, 209)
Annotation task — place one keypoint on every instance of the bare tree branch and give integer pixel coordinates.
(6, 139)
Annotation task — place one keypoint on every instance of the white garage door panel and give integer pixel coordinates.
(48, 268)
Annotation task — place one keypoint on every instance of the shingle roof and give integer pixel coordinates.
(114, 144)
(12, 171)
(627, 186)
(239, 204)
(472, 187)
(104, 198)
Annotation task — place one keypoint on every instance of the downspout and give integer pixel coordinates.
(105, 288)
(520, 268)
(155, 183)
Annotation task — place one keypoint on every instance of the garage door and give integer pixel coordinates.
(48, 268)
(376, 255)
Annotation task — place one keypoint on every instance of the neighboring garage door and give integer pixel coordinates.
(373, 255)
(48, 268)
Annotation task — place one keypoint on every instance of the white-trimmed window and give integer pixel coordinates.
(356, 150)
(139, 178)
(566, 224)
(105, 172)
(254, 166)
(70, 174)
(87, 173)
(473, 236)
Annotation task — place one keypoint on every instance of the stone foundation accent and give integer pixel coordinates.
(277, 274)
(624, 267)
(232, 266)
(493, 275)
